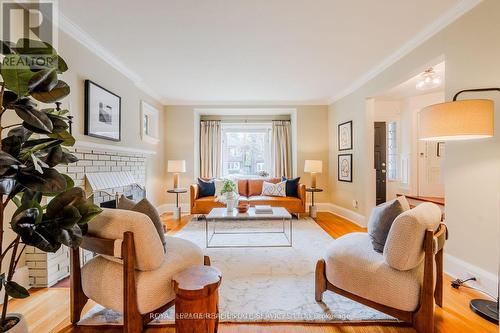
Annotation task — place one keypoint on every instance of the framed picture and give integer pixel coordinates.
(345, 135)
(102, 112)
(149, 123)
(345, 168)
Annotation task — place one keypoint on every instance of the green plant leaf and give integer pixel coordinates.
(15, 290)
(20, 131)
(6, 47)
(68, 197)
(60, 91)
(50, 181)
(12, 145)
(7, 160)
(65, 136)
(58, 123)
(61, 65)
(16, 74)
(9, 97)
(57, 156)
(26, 110)
(43, 81)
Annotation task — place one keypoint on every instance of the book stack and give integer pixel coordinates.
(263, 209)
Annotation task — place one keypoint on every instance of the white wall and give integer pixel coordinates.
(471, 50)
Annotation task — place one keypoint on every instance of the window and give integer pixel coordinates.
(246, 149)
(392, 151)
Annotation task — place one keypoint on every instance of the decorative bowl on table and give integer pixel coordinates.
(242, 208)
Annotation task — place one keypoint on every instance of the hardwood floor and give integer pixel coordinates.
(47, 310)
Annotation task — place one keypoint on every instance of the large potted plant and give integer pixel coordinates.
(50, 212)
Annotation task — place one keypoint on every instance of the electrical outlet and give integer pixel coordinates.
(355, 203)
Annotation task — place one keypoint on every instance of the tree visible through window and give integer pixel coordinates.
(246, 149)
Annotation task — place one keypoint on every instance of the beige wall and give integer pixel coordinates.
(83, 65)
(471, 49)
(312, 141)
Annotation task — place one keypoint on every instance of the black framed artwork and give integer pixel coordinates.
(345, 136)
(102, 112)
(345, 168)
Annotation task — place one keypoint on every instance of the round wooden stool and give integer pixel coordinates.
(197, 299)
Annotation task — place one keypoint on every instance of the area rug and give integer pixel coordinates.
(267, 284)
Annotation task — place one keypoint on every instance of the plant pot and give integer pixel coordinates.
(21, 326)
(231, 201)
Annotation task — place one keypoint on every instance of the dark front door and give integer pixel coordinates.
(380, 161)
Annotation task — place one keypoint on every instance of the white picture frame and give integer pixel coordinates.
(149, 123)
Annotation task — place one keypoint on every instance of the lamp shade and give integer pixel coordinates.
(176, 166)
(457, 120)
(313, 166)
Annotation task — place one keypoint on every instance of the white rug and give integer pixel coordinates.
(267, 284)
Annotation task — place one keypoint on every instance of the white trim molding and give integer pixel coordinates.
(442, 22)
(105, 147)
(460, 269)
(345, 213)
(170, 207)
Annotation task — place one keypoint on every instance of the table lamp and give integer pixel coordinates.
(176, 166)
(313, 167)
(462, 120)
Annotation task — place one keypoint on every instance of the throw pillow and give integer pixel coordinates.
(292, 186)
(274, 190)
(381, 221)
(125, 203)
(205, 188)
(145, 207)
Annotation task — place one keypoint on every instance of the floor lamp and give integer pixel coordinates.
(462, 120)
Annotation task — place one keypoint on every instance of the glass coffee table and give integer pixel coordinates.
(232, 229)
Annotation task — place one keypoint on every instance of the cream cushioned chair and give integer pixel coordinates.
(401, 281)
(132, 273)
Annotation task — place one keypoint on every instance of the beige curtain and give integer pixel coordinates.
(282, 148)
(210, 149)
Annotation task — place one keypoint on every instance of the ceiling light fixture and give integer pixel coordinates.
(428, 80)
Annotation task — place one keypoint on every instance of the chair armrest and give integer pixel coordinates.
(194, 192)
(301, 190)
(104, 246)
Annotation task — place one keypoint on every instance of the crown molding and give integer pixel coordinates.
(79, 35)
(172, 102)
(442, 22)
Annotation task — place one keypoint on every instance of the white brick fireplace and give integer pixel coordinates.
(46, 269)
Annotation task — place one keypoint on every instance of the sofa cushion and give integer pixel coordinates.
(243, 187)
(112, 223)
(292, 204)
(102, 279)
(206, 188)
(353, 265)
(380, 222)
(275, 190)
(255, 185)
(404, 248)
(292, 186)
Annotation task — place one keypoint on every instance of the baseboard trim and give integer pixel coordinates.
(168, 208)
(458, 268)
(345, 213)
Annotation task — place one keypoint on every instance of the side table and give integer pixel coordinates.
(312, 207)
(197, 299)
(177, 210)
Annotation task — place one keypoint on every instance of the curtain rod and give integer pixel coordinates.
(244, 119)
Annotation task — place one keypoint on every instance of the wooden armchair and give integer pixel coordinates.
(132, 273)
(402, 281)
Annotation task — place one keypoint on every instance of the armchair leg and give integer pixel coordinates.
(78, 298)
(320, 283)
(438, 292)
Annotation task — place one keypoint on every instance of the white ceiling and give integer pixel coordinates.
(409, 87)
(253, 51)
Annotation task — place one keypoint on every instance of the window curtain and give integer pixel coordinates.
(282, 148)
(210, 149)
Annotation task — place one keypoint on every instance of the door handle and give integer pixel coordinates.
(383, 164)
(383, 171)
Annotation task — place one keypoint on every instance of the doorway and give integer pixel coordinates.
(380, 159)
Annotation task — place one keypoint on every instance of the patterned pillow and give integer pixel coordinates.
(274, 190)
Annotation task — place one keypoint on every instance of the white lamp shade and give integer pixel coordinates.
(313, 166)
(457, 120)
(176, 166)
